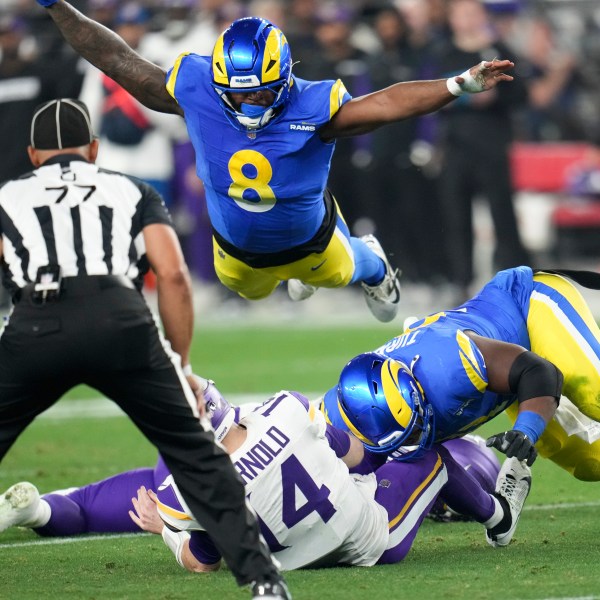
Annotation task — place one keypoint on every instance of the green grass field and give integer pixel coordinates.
(553, 555)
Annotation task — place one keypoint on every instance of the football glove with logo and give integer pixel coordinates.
(513, 443)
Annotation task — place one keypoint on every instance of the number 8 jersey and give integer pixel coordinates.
(310, 509)
(264, 188)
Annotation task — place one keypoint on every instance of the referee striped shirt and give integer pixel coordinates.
(71, 213)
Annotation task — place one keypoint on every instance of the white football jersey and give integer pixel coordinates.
(311, 510)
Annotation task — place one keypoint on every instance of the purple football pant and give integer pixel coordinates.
(407, 490)
(101, 507)
(463, 493)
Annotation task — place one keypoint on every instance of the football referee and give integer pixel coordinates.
(76, 242)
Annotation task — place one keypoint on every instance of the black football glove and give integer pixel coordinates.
(513, 443)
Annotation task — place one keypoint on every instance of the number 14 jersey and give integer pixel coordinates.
(310, 509)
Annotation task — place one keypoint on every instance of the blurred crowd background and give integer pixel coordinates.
(506, 177)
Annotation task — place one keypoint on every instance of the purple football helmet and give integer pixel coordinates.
(221, 414)
(471, 453)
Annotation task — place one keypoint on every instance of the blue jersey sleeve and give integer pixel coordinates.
(318, 101)
(450, 369)
(188, 79)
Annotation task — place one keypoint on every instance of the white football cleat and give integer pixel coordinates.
(298, 290)
(409, 322)
(18, 505)
(512, 488)
(383, 300)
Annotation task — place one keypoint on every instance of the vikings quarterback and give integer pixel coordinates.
(509, 346)
(320, 498)
(263, 142)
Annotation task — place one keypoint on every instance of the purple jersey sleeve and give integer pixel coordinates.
(303, 399)
(340, 443)
(203, 548)
(338, 440)
(370, 463)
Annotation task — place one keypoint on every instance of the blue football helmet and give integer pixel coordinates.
(384, 406)
(250, 55)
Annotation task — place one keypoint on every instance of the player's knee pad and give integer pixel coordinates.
(588, 468)
(579, 458)
(255, 294)
(552, 440)
(247, 289)
(585, 458)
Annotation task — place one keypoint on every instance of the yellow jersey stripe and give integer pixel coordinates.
(173, 76)
(177, 514)
(311, 412)
(335, 97)
(469, 362)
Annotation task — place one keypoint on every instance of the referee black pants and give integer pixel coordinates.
(102, 334)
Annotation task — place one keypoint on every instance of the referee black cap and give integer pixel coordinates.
(62, 123)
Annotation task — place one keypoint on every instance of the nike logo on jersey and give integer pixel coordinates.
(302, 127)
(318, 266)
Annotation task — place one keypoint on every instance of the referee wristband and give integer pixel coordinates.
(187, 370)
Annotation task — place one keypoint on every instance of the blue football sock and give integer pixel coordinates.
(368, 267)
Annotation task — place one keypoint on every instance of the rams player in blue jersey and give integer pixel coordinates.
(509, 347)
(264, 140)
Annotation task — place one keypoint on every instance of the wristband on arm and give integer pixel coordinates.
(470, 85)
(531, 424)
(339, 440)
(175, 541)
(47, 3)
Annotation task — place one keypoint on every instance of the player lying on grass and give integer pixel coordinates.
(509, 347)
(312, 511)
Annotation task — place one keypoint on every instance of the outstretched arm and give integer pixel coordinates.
(144, 80)
(537, 384)
(411, 99)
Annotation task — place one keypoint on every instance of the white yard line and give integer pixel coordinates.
(102, 407)
(558, 506)
(71, 540)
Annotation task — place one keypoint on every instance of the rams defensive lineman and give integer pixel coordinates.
(264, 141)
(508, 347)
